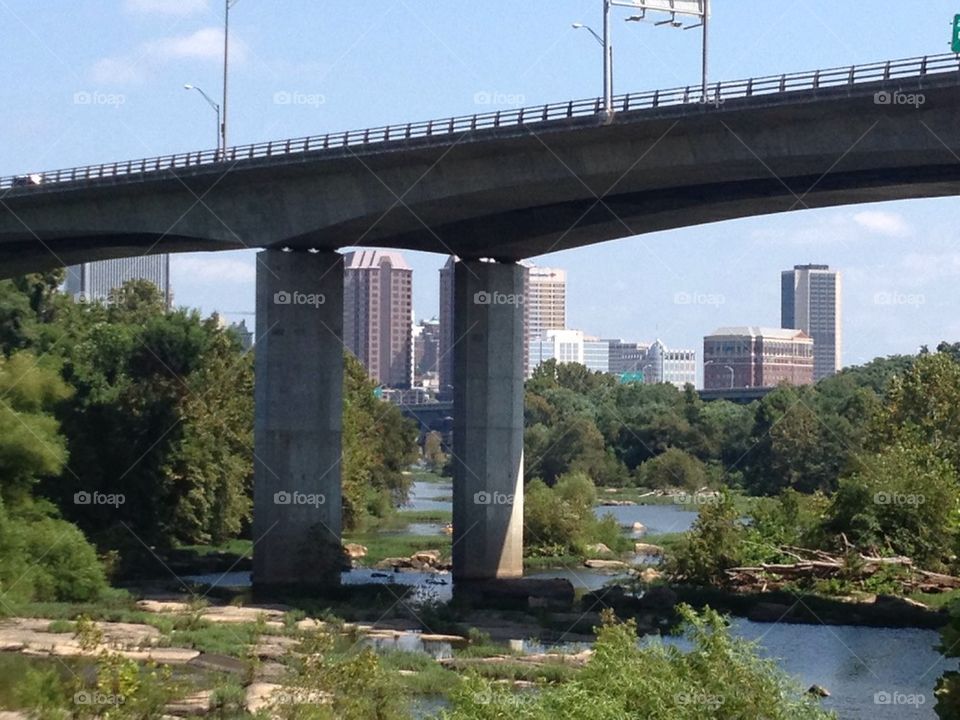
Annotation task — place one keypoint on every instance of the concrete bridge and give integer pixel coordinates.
(505, 186)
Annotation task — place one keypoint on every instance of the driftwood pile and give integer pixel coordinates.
(820, 565)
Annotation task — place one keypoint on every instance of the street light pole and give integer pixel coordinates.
(706, 47)
(226, 70)
(607, 60)
(216, 109)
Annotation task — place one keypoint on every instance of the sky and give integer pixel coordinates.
(92, 81)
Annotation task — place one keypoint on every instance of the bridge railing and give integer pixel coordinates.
(717, 94)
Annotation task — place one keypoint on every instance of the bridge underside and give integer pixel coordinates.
(514, 193)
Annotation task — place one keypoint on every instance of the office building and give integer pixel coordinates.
(810, 300)
(626, 357)
(377, 315)
(757, 357)
(569, 346)
(426, 353)
(545, 304)
(663, 365)
(97, 281)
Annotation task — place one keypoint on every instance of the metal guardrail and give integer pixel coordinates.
(719, 93)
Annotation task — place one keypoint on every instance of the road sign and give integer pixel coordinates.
(631, 377)
(956, 34)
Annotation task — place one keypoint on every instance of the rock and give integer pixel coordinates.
(617, 503)
(598, 549)
(427, 557)
(605, 564)
(768, 612)
(649, 575)
(355, 551)
(393, 562)
(194, 705)
(258, 695)
(659, 597)
(648, 549)
(818, 691)
(639, 528)
(516, 593)
(448, 529)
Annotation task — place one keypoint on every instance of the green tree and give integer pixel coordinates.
(903, 500)
(713, 545)
(433, 452)
(673, 468)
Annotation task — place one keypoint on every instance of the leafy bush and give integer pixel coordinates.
(561, 520)
(44, 559)
(718, 679)
(902, 500)
(714, 544)
(673, 468)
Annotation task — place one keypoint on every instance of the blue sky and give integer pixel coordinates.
(101, 80)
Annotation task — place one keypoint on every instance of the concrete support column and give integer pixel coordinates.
(488, 421)
(298, 418)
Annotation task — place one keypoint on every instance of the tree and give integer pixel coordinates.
(433, 452)
(673, 468)
(713, 545)
(903, 500)
(924, 407)
(378, 445)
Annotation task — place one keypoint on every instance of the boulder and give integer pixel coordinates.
(648, 549)
(818, 691)
(194, 705)
(426, 557)
(660, 597)
(355, 551)
(639, 528)
(605, 564)
(598, 549)
(649, 575)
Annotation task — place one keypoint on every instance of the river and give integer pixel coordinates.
(871, 673)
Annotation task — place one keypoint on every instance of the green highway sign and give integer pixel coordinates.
(955, 45)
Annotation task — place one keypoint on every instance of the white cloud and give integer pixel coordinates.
(883, 223)
(205, 44)
(179, 8)
(193, 269)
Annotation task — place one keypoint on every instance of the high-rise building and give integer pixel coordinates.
(810, 300)
(569, 346)
(626, 357)
(757, 357)
(445, 349)
(97, 281)
(663, 365)
(426, 352)
(377, 314)
(545, 304)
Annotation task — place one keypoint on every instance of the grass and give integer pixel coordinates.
(431, 677)
(385, 546)
(428, 476)
(233, 639)
(936, 600)
(237, 546)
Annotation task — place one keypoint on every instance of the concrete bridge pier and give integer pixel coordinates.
(298, 419)
(488, 421)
